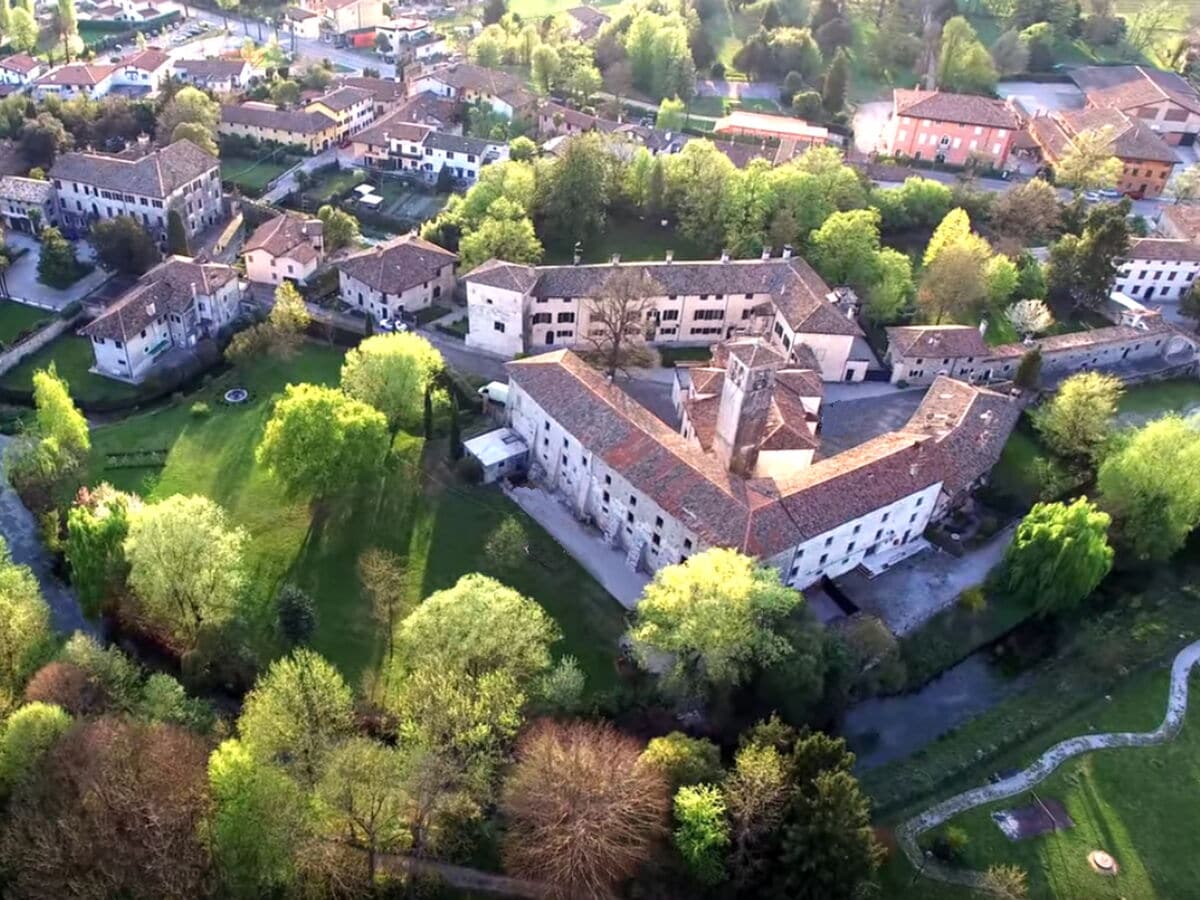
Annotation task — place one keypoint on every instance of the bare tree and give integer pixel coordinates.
(583, 813)
(385, 580)
(617, 321)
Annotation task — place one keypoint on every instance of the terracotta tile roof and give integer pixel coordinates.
(398, 265)
(907, 341)
(1176, 250)
(1131, 139)
(382, 89)
(428, 108)
(966, 109)
(287, 235)
(1095, 338)
(261, 115)
(344, 97)
(20, 62)
(1185, 218)
(156, 174)
(167, 288)
(468, 76)
(149, 60)
(78, 74)
(588, 15)
(299, 14)
(581, 120)
(392, 127)
(211, 69)
(1130, 87)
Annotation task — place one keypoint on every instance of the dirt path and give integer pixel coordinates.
(910, 831)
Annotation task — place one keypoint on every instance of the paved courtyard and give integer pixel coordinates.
(23, 284)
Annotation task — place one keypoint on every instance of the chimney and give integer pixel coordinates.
(766, 254)
(670, 256)
(193, 290)
(787, 251)
(983, 326)
(724, 256)
(616, 259)
(578, 252)
(914, 469)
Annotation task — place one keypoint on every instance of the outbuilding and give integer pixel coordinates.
(500, 453)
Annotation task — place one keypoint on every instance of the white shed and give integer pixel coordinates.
(500, 453)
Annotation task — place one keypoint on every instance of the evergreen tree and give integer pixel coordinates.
(833, 94)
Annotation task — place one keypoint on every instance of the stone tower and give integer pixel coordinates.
(746, 395)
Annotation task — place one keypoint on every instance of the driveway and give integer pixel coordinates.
(22, 278)
(869, 120)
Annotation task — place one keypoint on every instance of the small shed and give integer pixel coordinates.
(500, 453)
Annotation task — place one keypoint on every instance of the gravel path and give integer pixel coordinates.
(1177, 702)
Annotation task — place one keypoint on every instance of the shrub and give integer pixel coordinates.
(973, 599)
(469, 470)
(718, 70)
(201, 410)
(71, 310)
(949, 844)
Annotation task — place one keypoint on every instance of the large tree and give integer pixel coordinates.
(26, 737)
(702, 831)
(97, 525)
(756, 793)
(58, 264)
(392, 373)
(964, 64)
(24, 627)
(1077, 421)
(341, 228)
(583, 812)
(1149, 488)
(319, 442)
(1089, 163)
(954, 286)
(188, 104)
(716, 616)
(684, 760)
(124, 246)
(574, 191)
(617, 321)
(22, 30)
(1081, 269)
(1058, 556)
(1027, 213)
(696, 179)
(846, 247)
(185, 566)
(296, 713)
(504, 233)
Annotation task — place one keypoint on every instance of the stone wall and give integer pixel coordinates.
(32, 344)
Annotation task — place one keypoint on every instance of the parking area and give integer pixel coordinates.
(1035, 96)
(22, 277)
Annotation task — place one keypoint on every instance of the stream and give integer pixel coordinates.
(889, 728)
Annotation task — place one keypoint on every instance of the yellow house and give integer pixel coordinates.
(352, 109)
(314, 131)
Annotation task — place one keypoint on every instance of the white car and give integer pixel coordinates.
(392, 325)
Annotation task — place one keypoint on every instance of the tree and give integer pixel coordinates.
(27, 736)
(5, 16)
(506, 234)
(1081, 269)
(833, 91)
(57, 264)
(22, 30)
(695, 183)
(289, 317)
(385, 581)
(258, 822)
(295, 615)
(1185, 186)
(1076, 422)
(1010, 53)
(62, 838)
(124, 246)
(198, 133)
(574, 192)
(1005, 882)
(545, 67)
(964, 64)
(846, 247)
(185, 566)
(68, 26)
(893, 289)
(476, 627)
(1028, 212)
(341, 228)
(24, 627)
(66, 685)
(755, 793)
(1058, 556)
(583, 814)
(225, 6)
(1089, 162)
(660, 55)
(58, 419)
(43, 139)
(522, 149)
(1029, 369)
(671, 114)
(296, 713)
(808, 105)
(562, 687)
(493, 11)
(954, 285)
(392, 373)
(617, 315)
(97, 526)
(1029, 317)
(177, 240)
(1189, 303)
(188, 104)
(701, 832)
(320, 442)
(684, 760)
(717, 614)
(1147, 487)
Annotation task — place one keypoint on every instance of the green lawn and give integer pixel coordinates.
(72, 357)
(416, 508)
(633, 239)
(1136, 804)
(250, 174)
(326, 186)
(16, 318)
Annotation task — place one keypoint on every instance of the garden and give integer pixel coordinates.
(250, 175)
(72, 357)
(18, 320)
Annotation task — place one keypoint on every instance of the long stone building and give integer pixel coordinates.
(515, 309)
(744, 477)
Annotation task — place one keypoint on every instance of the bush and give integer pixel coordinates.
(973, 599)
(469, 470)
(949, 844)
(201, 410)
(718, 70)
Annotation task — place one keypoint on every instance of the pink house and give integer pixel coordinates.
(950, 127)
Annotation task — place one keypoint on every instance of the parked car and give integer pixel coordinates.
(1092, 196)
(1112, 194)
(392, 325)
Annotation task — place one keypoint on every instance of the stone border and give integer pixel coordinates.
(908, 833)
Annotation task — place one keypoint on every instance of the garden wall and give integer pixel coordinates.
(32, 344)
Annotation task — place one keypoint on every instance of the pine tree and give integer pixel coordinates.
(834, 93)
(428, 414)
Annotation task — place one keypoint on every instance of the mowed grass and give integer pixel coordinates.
(72, 357)
(1137, 804)
(251, 174)
(414, 508)
(16, 318)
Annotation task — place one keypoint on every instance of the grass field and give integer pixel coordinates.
(326, 186)
(1137, 804)
(72, 357)
(250, 174)
(415, 508)
(16, 318)
(633, 239)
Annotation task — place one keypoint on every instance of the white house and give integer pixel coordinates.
(399, 277)
(516, 309)
(223, 76)
(175, 304)
(1158, 269)
(286, 248)
(20, 69)
(92, 80)
(142, 73)
(27, 205)
(180, 177)
(395, 145)
(468, 83)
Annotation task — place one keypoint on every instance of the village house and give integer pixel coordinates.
(394, 145)
(142, 73)
(289, 247)
(351, 109)
(396, 278)
(175, 305)
(341, 16)
(222, 76)
(1162, 101)
(386, 94)
(141, 183)
(303, 23)
(20, 70)
(1158, 268)
(514, 309)
(749, 482)
(468, 83)
(412, 39)
(950, 128)
(314, 131)
(1146, 160)
(585, 22)
(27, 205)
(554, 119)
(91, 80)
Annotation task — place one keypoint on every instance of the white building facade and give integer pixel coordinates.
(1158, 269)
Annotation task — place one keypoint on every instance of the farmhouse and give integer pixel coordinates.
(1158, 268)
(469, 83)
(315, 131)
(404, 275)
(1163, 101)
(27, 205)
(396, 145)
(950, 128)
(286, 248)
(20, 69)
(223, 76)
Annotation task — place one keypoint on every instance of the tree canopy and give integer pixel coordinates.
(1058, 556)
(392, 373)
(1076, 421)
